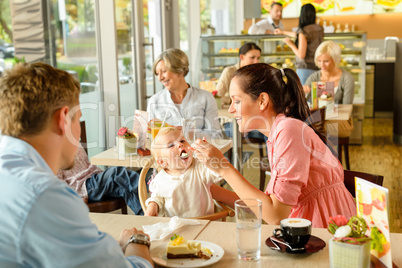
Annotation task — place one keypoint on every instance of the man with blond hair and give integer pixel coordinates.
(44, 223)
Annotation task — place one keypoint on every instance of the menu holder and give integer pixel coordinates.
(140, 126)
(326, 95)
(314, 99)
(372, 204)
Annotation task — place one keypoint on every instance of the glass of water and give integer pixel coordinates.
(189, 129)
(248, 224)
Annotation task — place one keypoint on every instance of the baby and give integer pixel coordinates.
(184, 187)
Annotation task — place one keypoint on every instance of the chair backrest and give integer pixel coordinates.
(318, 119)
(349, 179)
(83, 137)
(223, 212)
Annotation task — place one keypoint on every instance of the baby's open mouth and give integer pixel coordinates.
(184, 155)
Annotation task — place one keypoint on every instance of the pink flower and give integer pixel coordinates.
(338, 220)
(122, 131)
(214, 93)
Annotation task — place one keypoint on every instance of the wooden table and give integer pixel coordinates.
(342, 112)
(224, 234)
(113, 224)
(111, 158)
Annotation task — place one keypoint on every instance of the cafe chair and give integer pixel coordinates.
(104, 206)
(222, 211)
(342, 145)
(349, 179)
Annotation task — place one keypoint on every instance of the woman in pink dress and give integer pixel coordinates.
(306, 178)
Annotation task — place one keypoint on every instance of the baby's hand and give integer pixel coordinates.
(152, 209)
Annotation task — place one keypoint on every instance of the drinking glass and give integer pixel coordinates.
(248, 224)
(189, 129)
(155, 127)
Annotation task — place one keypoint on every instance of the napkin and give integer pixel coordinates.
(162, 229)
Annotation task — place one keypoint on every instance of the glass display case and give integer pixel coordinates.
(217, 52)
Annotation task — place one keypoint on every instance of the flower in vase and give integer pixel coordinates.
(215, 93)
(124, 132)
(352, 231)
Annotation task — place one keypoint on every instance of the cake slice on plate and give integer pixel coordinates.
(180, 248)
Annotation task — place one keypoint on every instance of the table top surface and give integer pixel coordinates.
(111, 158)
(224, 235)
(341, 112)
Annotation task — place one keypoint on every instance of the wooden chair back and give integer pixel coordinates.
(222, 210)
(83, 137)
(349, 179)
(318, 119)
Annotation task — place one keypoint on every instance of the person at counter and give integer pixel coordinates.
(179, 100)
(45, 223)
(308, 37)
(268, 25)
(306, 178)
(327, 58)
(249, 53)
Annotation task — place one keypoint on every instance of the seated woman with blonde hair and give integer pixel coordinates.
(327, 58)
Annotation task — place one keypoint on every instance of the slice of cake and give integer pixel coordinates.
(180, 248)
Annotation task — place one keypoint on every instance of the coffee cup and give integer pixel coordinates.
(295, 232)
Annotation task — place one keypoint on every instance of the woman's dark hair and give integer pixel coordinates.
(285, 97)
(247, 47)
(307, 17)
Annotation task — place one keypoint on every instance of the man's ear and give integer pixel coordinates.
(61, 118)
(263, 101)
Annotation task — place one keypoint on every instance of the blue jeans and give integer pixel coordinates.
(228, 129)
(304, 74)
(113, 183)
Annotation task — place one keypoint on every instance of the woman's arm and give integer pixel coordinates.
(282, 32)
(273, 211)
(224, 81)
(300, 51)
(348, 86)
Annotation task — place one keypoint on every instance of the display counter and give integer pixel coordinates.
(217, 52)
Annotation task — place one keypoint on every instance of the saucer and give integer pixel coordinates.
(313, 245)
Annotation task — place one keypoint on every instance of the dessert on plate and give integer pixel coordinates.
(180, 248)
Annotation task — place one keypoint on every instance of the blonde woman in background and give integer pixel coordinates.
(327, 58)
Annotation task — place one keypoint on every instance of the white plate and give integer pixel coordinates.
(158, 255)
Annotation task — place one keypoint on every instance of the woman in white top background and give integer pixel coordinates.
(178, 100)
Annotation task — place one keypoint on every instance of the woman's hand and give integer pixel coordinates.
(306, 89)
(287, 41)
(210, 156)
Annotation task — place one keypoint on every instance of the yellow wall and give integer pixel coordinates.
(376, 26)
